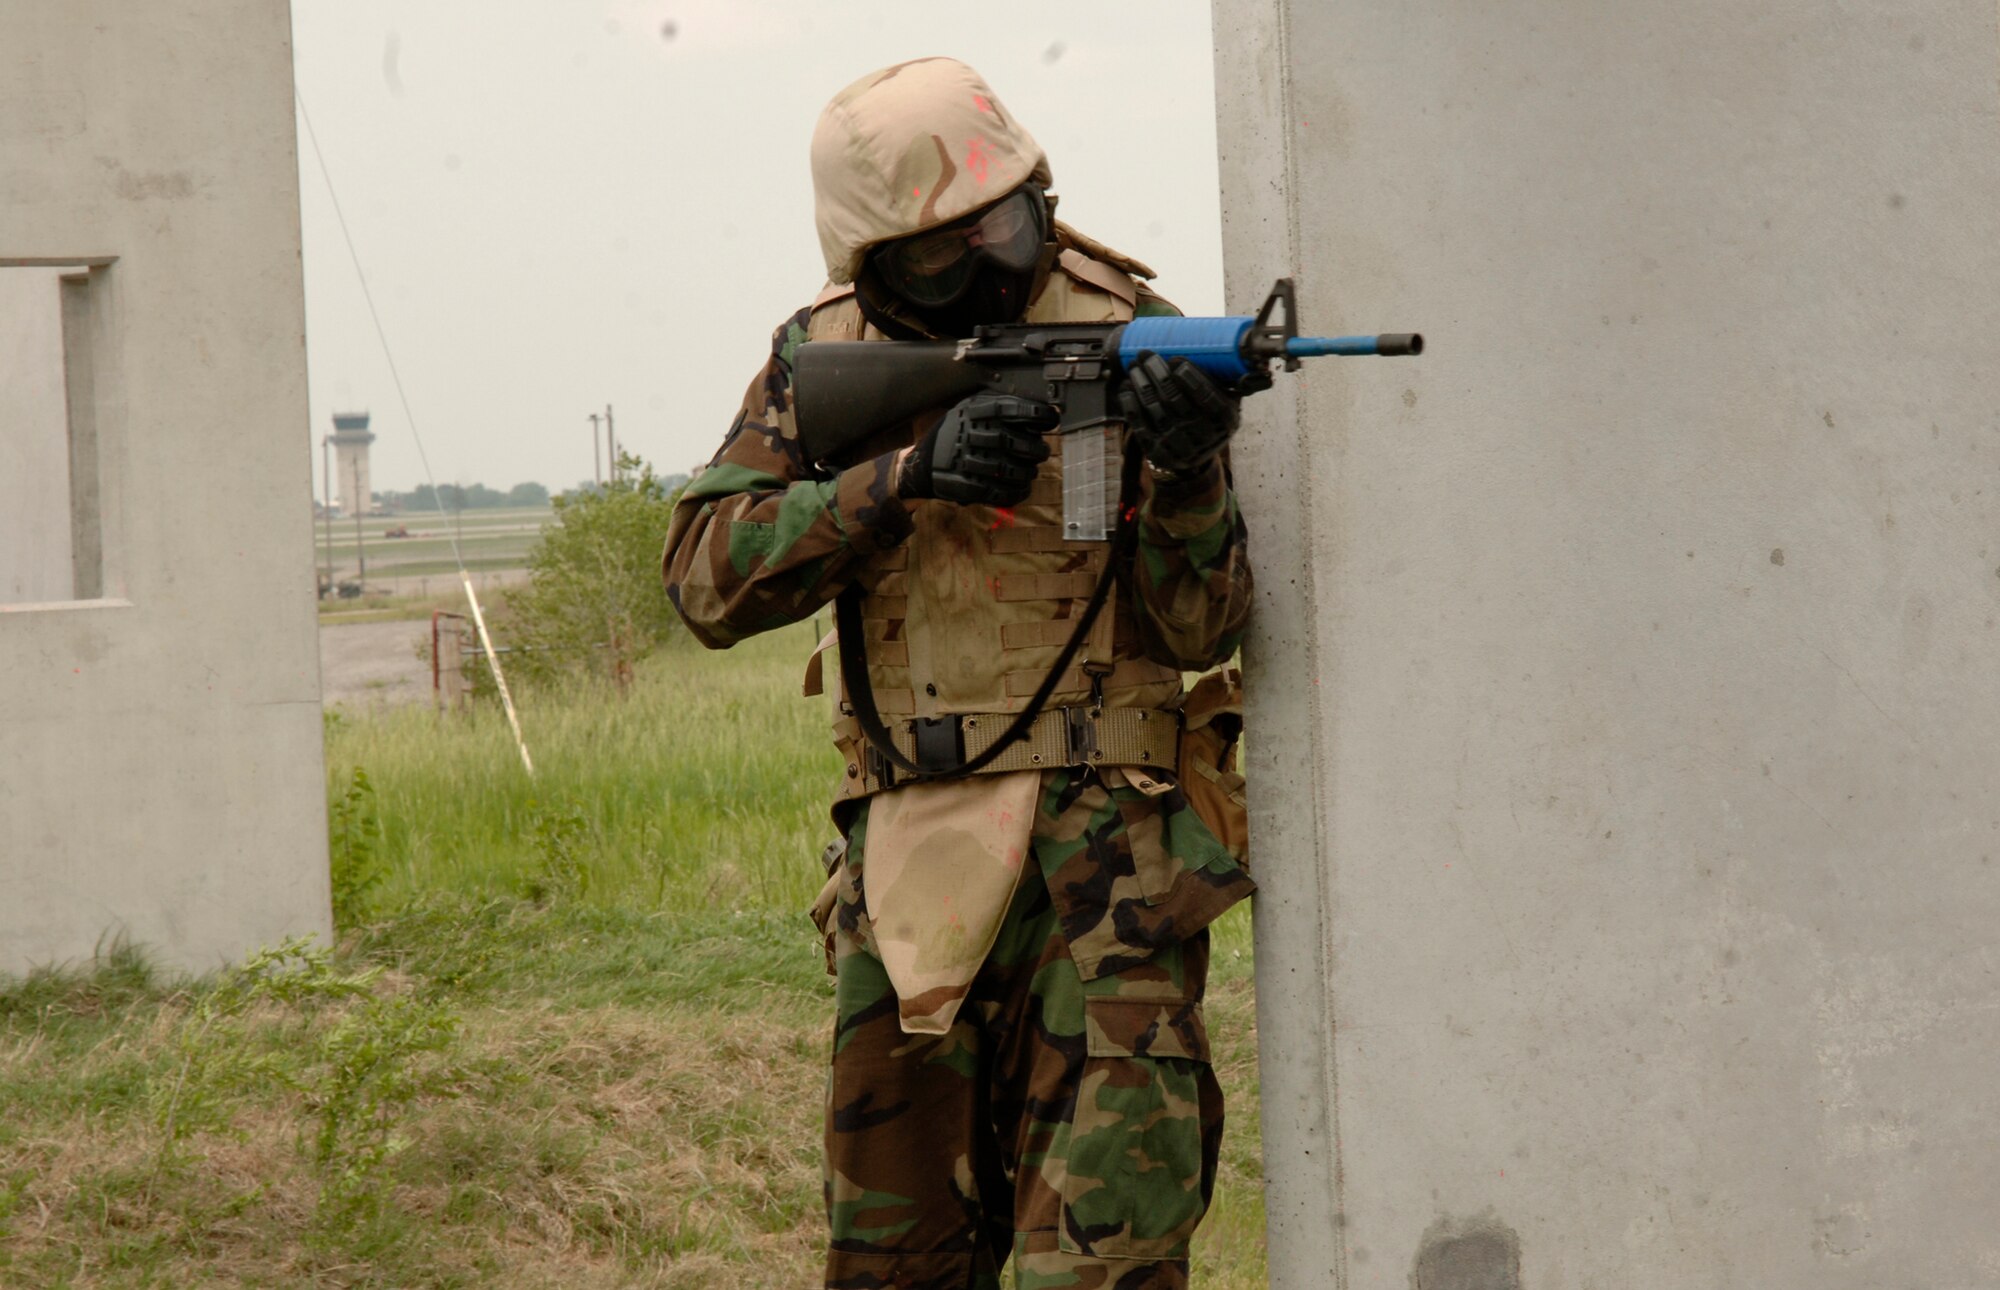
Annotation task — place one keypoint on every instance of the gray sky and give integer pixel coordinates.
(564, 203)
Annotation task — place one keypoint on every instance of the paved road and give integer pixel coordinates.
(441, 584)
(374, 664)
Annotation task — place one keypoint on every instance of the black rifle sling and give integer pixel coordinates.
(861, 690)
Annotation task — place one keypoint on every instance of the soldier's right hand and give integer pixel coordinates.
(984, 451)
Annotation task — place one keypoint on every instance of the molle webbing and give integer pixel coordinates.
(973, 619)
(1073, 736)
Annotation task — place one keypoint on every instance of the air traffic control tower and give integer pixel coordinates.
(351, 437)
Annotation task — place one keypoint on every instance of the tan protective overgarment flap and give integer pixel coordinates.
(815, 682)
(1101, 276)
(1097, 250)
(942, 861)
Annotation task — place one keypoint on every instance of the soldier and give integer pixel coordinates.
(1019, 1064)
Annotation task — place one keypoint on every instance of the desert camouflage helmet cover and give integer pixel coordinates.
(908, 148)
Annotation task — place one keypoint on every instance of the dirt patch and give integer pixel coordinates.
(374, 664)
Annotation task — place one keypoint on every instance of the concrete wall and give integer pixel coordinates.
(160, 766)
(1635, 649)
(35, 557)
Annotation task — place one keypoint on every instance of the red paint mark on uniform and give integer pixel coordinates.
(979, 101)
(978, 156)
(1130, 511)
(1003, 518)
(993, 585)
(916, 192)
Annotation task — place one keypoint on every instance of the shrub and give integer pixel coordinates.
(594, 604)
(562, 847)
(354, 848)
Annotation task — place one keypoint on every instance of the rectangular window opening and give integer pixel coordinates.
(51, 531)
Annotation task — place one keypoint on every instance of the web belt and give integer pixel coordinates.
(1077, 736)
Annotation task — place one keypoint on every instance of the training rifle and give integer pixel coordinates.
(845, 391)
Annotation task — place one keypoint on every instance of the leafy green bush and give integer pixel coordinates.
(365, 1073)
(354, 848)
(594, 604)
(563, 849)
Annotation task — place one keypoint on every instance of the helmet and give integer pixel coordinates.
(911, 148)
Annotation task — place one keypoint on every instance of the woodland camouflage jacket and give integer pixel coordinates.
(762, 538)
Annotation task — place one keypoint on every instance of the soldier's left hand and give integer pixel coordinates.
(1180, 418)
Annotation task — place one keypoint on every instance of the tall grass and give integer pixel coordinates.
(705, 787)
(573, 1035)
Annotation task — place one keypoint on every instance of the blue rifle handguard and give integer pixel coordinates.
(1215, 345)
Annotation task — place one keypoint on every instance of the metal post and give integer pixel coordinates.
(611, 443)
(360, 505)
(326, 509)
(596, 462)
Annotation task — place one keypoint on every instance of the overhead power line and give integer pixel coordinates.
(410, 419)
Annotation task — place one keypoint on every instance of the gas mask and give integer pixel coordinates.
(977, 269)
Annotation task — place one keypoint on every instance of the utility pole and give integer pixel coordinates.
(596, 465)
(326, 510)
(611, 442)
(360, 505)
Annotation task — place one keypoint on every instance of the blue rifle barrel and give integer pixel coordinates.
(1217, 345)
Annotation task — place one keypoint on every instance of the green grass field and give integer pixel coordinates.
(572, 1036)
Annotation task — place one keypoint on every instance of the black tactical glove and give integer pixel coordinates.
(1180, 418)
(985, 450)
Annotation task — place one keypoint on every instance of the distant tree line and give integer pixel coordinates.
(472, 497)
(464, 497)
(589, 488)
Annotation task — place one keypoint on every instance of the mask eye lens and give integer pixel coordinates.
(1010, 232)
(933, 272)
(934, 268)
(929, 270)
(1002, 224)
(933, 254)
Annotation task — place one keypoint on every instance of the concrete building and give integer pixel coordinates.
(1634, 651)
(351, 481)
(161, 777)
(37, 560)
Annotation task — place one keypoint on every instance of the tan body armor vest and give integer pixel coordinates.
(968, 614)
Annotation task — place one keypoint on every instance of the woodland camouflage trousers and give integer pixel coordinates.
(1072, 1125)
